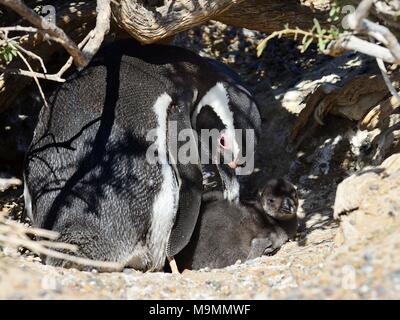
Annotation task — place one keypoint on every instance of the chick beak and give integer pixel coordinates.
(288, 206)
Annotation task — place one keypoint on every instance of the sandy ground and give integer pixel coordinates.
(311, 268)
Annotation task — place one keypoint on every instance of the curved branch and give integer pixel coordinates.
(150, 24)
(349, 42)
(103, 10)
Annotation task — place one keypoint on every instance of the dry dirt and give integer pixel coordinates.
(319, 264)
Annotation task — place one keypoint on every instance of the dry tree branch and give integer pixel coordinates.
(52, 77)
(356, 19)
(389, 52)
(359, 23)
(70, 60)
(19, 29)
(46, 36)
(33, 74)
(386, 78)
(15, 234)
(149, 24)
(349, 42)
(76, 19)
(34, 77)
(91, 43)
(48, 28)
(101, 29)
(31, 54)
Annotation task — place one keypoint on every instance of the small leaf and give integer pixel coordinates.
(261, 46)
(317, 26)
(322, 45)
(304, 40)
(313, 29)
(306, 45)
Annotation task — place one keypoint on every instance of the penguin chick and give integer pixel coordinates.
(227, 232)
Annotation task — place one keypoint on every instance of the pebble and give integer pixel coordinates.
(51, 283)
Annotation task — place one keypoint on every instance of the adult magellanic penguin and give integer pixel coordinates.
(87, 174)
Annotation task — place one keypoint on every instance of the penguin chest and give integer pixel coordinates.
(165, 207)
(165, 204)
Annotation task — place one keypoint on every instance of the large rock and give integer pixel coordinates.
(369, 201)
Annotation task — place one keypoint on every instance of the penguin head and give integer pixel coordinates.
(230, 114)
(278, 199)
(246, 125)
(218, 142)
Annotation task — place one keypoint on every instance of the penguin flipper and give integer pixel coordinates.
(190, 184)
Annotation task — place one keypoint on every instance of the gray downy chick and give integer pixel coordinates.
(260, 224)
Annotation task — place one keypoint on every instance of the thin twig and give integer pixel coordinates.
(39, 249)
(14, 234)
(58, 245)
(386, 78)
(34, 77)
(31, 54)
(70, 60)
(41, 233)
(47, 27)
(57, 77)
(19, 29)
(33, 74)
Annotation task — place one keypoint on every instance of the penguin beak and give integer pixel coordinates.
(232, 165)
(235, 164)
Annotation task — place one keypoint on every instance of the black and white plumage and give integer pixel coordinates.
(86, 173)
(227, 232)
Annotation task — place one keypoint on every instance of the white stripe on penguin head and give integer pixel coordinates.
(217, 98)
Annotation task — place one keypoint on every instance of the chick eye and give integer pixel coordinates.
(271, 200)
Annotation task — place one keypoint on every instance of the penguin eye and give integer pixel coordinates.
(222, 142)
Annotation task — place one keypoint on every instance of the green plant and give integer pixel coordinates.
(7, 52)
(323, 36)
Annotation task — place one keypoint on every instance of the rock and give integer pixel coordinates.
(50, 283)
(369, 201)
(339, 84)
(6, 183)
(359, 96)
